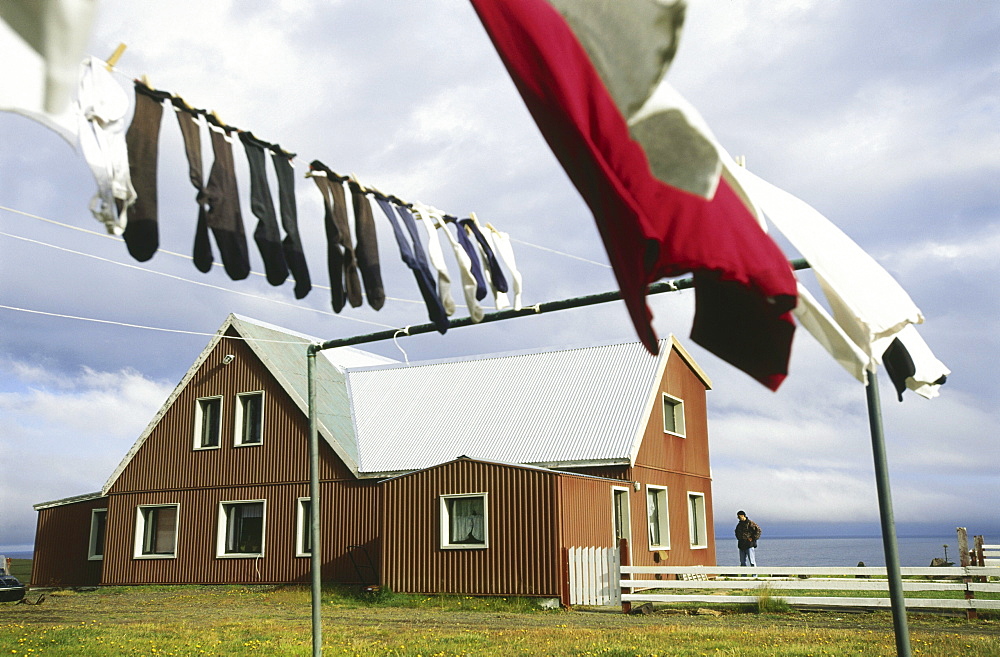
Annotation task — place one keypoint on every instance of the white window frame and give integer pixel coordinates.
(199, 418)
(303, 520)
(676, 407)
(445, 522)
(223, 530)
(239, 431)
(697, 519)
(662, 520)
(92, 554)
(627, 520)
(141, 532)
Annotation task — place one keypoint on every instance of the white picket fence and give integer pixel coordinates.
(594, 576)
(970, 580)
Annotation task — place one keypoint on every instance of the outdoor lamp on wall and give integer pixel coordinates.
(228, 358)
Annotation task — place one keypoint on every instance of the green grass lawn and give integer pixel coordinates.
(269, 620)
(21, 569)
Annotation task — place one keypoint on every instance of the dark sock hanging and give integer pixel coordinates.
(476, 261)
(191, 132)
(334, 252)
(497, 278)
(266, 234)
(223, 215)
(367, 249)
(416, 260)
(292, 244)
(142, 237)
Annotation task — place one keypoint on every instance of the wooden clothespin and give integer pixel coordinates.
(115, 56)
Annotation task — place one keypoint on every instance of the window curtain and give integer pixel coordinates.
(653, 509)
(467, 520)
(162, 529)
(246, 524)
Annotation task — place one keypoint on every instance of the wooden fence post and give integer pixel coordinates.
(564, 589)
(625, 559)
(965, 560)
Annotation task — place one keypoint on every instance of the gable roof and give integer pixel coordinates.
(283, 353)
(570, 407)
(585, 406)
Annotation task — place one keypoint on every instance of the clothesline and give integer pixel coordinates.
(144, 327)
(116, 238)
(349, 264)
(188, 280)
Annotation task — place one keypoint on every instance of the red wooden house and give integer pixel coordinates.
(463, 476)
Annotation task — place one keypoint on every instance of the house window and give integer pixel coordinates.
(241, 529)
(156, 531)
(696, 520)
(673, 415)
(303, 527)
(659, 520)
(98, 521)
(207, 422)
(464, 521)
(622, 517)
(249, 418)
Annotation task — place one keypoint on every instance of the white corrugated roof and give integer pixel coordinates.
(584, 406)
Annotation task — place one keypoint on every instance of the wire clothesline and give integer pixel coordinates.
(218, 264)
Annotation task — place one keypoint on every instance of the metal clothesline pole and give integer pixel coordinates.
(311, 351)
(899, 624)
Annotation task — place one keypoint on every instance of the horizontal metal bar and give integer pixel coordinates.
(501, 315)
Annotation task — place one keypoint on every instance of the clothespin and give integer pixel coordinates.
(475, 220)
(145, 80)
(490, 226)
(115, 56)
(741, 160)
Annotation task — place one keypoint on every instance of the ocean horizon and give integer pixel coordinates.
(840, 551)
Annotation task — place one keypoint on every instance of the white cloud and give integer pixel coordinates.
(63, 435)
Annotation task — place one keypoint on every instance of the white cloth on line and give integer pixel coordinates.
(102, 105)
(436, 255)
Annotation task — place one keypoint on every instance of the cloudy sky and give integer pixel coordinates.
(882, 116)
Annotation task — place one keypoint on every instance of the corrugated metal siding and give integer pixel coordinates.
(523, 556)
(349, 517)
(587, 519)
(680, 464)
(62, 543)
(167, 460)
(663, 450)
(680, 552)
(572, 405)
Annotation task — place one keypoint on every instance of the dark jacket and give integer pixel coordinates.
(747, 533)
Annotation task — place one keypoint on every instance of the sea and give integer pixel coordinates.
(840, 551)
(836, 551)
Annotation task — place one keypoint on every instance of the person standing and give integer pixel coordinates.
(747, 533)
